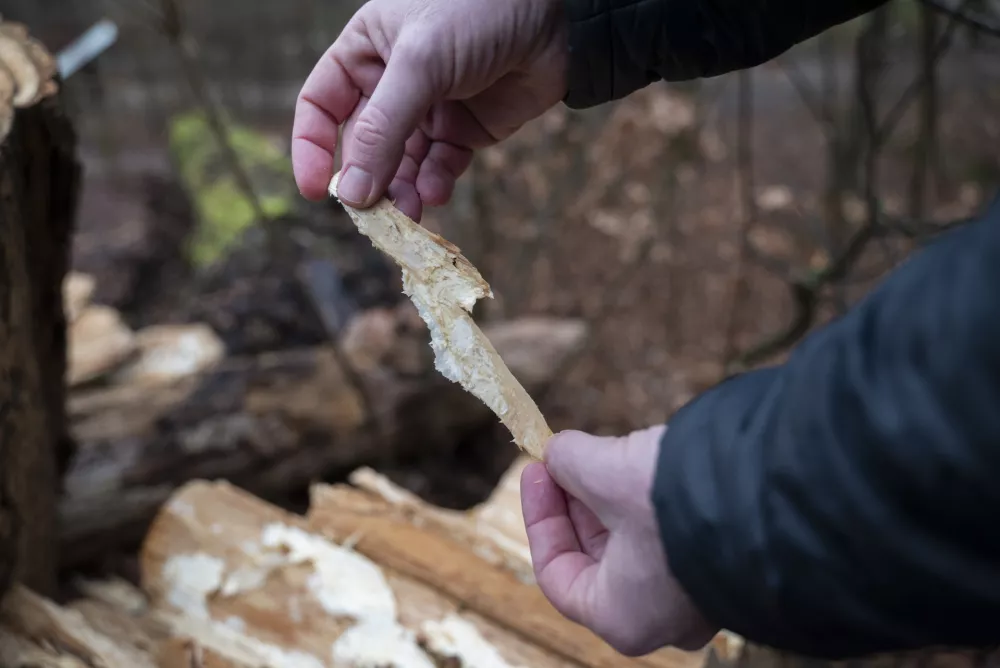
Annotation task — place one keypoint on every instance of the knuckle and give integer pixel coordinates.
(426, 57)
(419, 49)
(369, 132)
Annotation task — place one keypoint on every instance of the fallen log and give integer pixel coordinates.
(274, 423)
(343, 587)
(371, 576)
(39, 178)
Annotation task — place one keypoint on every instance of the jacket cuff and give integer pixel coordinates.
(589, 79)
(707, 501)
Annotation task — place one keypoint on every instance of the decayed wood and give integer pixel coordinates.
(115, 626)
(250, 582)
(39, 179)
(233, 582)
(276, 422)
(445, 565)
(445, 286)
(493, 531)
(235, 574)
(102, 347)
(292, 590)
(37, 633)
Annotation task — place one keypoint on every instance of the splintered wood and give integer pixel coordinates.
(366, 579)
(444, 286)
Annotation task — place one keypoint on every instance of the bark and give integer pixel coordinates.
(276, 422)
(39, 178)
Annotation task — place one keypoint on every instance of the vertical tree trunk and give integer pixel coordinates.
(39, 179)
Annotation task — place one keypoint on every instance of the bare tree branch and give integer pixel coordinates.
(986, 26)
(748, 207)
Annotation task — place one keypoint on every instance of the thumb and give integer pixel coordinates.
(374, 143)
(606, 473)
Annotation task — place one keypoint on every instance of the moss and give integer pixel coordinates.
(224, 212)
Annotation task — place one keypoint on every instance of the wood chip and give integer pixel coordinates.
(444, 286)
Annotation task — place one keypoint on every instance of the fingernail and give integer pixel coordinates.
(355, 186)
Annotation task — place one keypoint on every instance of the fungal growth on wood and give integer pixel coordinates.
(444, 286)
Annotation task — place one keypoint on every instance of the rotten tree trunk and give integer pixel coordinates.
(39, 179)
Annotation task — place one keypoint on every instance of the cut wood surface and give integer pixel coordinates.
(39, 178)
(366, 579)
(493, 531)
(116, 625)
(352, 581)
(275, 422)
(444, 286)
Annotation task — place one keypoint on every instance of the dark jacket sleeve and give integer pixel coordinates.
(620, 46)
(847, 501)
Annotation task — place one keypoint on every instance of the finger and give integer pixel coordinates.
(314, 143)
(546, 516)
(403, 189)
(405, 198)
(565, 574)
(326, 100)
(590, 532)
(453, 122)
(439, 171)
(586, 467)
(374, 149)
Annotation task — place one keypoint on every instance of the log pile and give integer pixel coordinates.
(370, 576)
(152, 409)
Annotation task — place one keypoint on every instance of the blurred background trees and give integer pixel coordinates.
(699, 227)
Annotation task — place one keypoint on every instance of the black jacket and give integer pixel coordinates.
(848, 501)
(620, 46)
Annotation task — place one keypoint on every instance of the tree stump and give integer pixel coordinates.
(39, 178)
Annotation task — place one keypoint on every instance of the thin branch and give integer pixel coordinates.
(807, 93)
(187, 53)
(926, 144)
(748, 206)
(898, 110)
(805, 292)
(956, 13)
(805, 295)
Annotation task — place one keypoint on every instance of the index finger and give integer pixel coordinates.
(326, 100)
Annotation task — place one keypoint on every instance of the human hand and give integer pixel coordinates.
(596, 546)
(419, 84)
